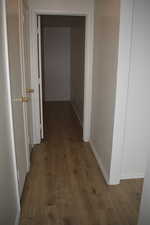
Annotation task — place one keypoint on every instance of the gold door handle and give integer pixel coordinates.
(25, 99)
(29, 90)
(22, 99)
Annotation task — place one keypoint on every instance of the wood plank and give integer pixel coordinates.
(65, 185)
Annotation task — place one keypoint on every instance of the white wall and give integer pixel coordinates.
(120, 139)
(143, 8)
(124, 55)
(77, 68)
(56, 64)
(137, 125)
(62, 5)
(107, 17)
(144, 216)
(9, 207)
(8, 194)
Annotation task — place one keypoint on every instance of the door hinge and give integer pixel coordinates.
(23, 19)
(40, 132)
(39, 79)
(18, 176)
(41, 129)
(38, 31)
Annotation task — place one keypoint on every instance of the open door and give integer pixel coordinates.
(28, 90)
(17, 98)
(40, 75)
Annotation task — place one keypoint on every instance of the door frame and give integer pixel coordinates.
(89, 35)
(23, 74)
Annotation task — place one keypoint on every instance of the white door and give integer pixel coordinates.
(28, 91)
(13, 39)
(40, 75)
(9, 198)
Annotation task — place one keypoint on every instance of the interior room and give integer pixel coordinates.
(62, 44)
(74, 112)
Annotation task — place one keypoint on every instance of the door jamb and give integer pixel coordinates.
(89, 35)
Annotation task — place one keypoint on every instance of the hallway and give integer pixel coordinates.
(65, 185)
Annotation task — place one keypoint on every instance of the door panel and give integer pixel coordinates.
(12, 14)
(28, 91)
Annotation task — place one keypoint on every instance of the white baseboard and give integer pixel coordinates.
(132, 176)
(75, 110)
(17, 220)
(99, 162)
(123, 176)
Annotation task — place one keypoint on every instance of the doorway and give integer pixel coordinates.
(62, 62)
(35, 79)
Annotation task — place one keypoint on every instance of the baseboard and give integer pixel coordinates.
(99, 162)
(74, 108)
(17, 218)
(132, 176)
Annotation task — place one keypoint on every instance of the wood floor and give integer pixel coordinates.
(65, 185)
